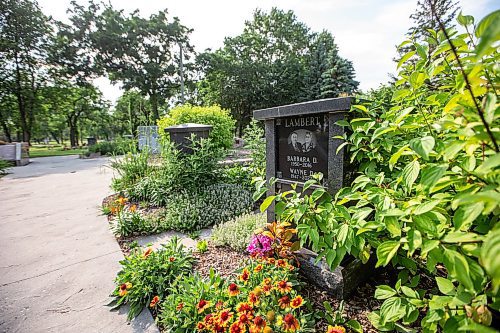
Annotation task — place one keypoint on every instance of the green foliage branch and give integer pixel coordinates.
(427, 198)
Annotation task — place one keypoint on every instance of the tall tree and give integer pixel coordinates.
(424, 19)
(276, 60)
(329, 75)
(131, 110)
(24, 35)
(142, 53)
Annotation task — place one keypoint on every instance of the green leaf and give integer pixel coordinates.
(414, 240)
(426, 207)
(489, 256)
(384, 292)
(267, 202)
(445, 286)
(462, 237)
(375, 320)
(409, 292)
(452, 150)
(490, 163)
(465, 20)
(395, 157)
(478, 328)
(393, 226)
(423, 146)
(490, 106)
(458, 268)
(381, 131)
(386, 251)
(355, 326)
(488, 32)
(342, 235)
(432, 174)
(405, 58)
(330, 257)
(410, 173)
(391, 310)
(308, 184)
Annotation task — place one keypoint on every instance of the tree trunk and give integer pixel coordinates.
(154, 105)
(6, 131)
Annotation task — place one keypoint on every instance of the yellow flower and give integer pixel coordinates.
(335, 329)
(297, 302)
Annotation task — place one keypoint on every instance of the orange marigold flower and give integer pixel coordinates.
(209, 319)
(180, 306)
(258, 268)
(335, 329)
(290, 323)
(259, 322)
(284, 286)
(202, 305)
(233, 289)
(133, 208)
(148, 251)
(237, 328)
(252, 298)
(297, 302)
(272, 261)
(245, 276)
(218, 328)
(225, 316)
(284, 302)
(154, 301)
(268, 329)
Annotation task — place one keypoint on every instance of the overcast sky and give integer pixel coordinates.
(366, 31)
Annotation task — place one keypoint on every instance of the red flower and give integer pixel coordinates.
(259, 322)
(146, 253)
(154, 301)
(284, 302)
(245, 276)
(225, 316)
(335, 329)
(180, 306)
(252, 298)
(200, 326)
(171, 259)
(290, 323)
(233, 289)
(202, 305)
(297, 302)
(237, 328)
(284, 287)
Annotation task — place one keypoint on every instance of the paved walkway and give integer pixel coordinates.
(58, 258)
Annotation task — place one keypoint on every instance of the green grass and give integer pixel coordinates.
(53, 150)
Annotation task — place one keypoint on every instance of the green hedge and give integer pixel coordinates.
(220, 119)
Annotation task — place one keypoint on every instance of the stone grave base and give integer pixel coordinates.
(341, 281)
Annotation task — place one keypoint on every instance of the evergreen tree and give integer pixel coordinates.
(424, 19)
(329, 75)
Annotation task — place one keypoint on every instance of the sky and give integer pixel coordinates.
(366, 31)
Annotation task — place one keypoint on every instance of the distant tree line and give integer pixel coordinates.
(48, 69)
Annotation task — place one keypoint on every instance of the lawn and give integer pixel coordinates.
(53, 150)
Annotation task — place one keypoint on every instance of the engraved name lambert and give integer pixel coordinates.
(303, 121)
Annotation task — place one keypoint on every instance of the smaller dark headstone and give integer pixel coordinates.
(91, 141)
(181, 135)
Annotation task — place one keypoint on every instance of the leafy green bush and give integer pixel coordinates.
(254, 140)
(177, 172)
(130, 222)
(147, 273)
(220, 119)
(238, 174)
(426, 200)
(4, 165)
(237, 232)
(188, 211)
(117, 147)
(129, 169)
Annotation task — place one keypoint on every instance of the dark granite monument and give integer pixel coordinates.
(181, 135)
(300, 142)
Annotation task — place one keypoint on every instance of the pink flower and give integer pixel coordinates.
(260, 245)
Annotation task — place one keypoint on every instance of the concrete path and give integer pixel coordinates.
(58, 258)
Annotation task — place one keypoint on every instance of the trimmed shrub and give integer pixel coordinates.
(220, 119)
(237, 232)
(117, 147)
(218, 203)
